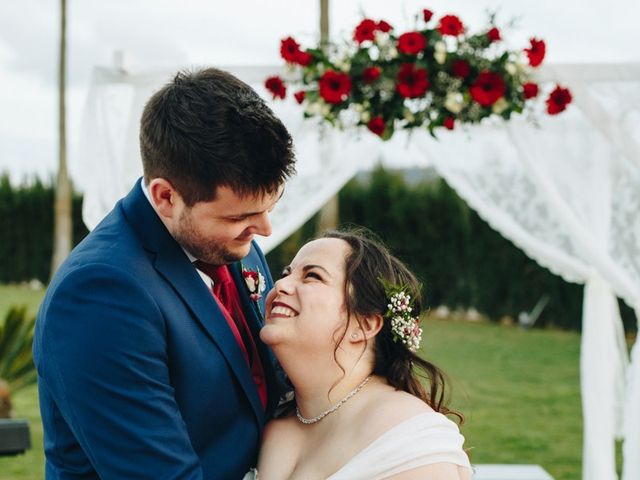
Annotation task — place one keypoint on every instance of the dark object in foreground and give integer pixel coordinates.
(14, 437)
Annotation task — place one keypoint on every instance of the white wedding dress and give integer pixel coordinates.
(422, 440)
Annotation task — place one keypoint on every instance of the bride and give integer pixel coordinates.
(342, 321)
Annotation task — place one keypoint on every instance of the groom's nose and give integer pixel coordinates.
(262, 225)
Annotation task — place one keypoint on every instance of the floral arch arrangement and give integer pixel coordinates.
(436, 76)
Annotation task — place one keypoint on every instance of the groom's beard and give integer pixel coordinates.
(208, 251)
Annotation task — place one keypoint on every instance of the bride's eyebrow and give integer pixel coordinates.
(311, 267)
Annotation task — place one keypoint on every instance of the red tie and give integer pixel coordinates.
(225, 291)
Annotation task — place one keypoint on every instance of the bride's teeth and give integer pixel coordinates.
(280, 310)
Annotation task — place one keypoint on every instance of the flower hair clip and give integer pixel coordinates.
(404, 326)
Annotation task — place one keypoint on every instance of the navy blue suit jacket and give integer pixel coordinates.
(139, 374)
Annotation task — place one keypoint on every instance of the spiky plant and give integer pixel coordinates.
(17, 370)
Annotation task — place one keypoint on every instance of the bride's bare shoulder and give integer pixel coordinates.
(280, 430)
(279, 449)
(389, 407)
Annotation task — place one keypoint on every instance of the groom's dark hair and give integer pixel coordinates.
(208, 128)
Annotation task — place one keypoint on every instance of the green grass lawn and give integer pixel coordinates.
(519, 391)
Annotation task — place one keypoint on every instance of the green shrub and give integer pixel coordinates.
(17, 370)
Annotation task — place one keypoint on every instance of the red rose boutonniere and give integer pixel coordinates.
(255, 283)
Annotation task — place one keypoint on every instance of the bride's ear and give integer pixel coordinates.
(366, 329)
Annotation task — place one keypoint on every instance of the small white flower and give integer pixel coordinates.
(440, 46)
(365, 117)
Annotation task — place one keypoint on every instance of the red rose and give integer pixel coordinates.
(366, 30)
(376, 125)
(250, 274)
(334, 86)
(427, 14)
(494, 35)
(289, 50)
(384, 26)
(303, 58)
(487, 88)
(411, 43)
(558, 100)
(536, 52)
(449, 123)
(299, 96)
(461, 68)
(276, 86)
(370, 74)
(450, 25)
(412, 82)
(530, 90)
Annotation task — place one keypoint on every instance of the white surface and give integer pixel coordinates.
(510, 472)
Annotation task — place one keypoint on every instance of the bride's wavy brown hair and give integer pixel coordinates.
(367, 266)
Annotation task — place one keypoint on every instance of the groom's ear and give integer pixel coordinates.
(367, 328)
(164, 196)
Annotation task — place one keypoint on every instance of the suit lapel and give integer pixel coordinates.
(172, 263)
(255, 320)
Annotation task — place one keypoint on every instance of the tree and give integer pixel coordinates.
(62, 229)
(328, 217)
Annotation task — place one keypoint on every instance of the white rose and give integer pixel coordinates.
(408, 115)
(454, 102)
(314, 108)
(440, 57)
(500, 106)
(343, 65)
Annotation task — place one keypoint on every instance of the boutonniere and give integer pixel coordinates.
(255, 283)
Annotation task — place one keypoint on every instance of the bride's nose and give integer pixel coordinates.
(284, 285)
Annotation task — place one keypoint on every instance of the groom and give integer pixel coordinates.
(147, 349)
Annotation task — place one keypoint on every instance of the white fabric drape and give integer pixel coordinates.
(567, 193)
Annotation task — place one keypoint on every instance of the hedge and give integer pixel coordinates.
(461, 261)
(26, 230)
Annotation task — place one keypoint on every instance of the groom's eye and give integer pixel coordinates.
(238, 219)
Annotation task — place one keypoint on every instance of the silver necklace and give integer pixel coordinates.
(309, 421)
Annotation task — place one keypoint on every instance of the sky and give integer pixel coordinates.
(154, 34)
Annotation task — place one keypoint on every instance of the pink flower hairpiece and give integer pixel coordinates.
(405, 328)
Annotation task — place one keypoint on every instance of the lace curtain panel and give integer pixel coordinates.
(567, 192)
